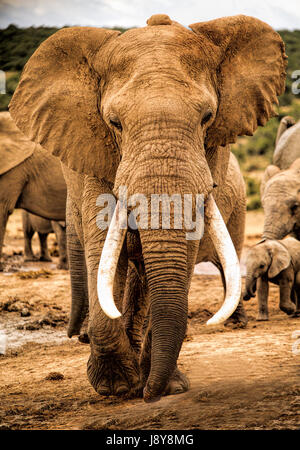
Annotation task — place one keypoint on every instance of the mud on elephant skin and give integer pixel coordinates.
(30, 178)
(31, 224)
(153, 109)
(279, 263)
(280, 194)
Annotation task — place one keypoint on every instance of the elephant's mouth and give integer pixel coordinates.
(223, 245)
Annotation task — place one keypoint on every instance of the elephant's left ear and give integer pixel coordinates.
(250, 74)
(280, 257)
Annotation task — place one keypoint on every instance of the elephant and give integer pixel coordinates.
(279, 263)
(31, 224)
(287, 148)
(152, 112)
(30, 178)
(280, 194)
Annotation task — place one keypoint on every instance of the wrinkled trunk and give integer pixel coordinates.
(274, 229)
(165, 257)
(250, 287)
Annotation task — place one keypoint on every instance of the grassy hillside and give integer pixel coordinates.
(254, 153)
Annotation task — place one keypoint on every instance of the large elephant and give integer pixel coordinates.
(30, 178)
(280, 193)
(153, 110)
(287, 148)
(31, 224)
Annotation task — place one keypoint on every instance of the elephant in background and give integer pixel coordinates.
(153, 109)
(30, 178)
(279, 263)
(287, 148)
(31, 224)
(280, 194)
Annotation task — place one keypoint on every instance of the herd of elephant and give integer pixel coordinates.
(276, 259)
(153, 109)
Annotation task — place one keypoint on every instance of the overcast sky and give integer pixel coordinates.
(127, 13)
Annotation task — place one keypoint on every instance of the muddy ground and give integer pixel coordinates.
(240, 378)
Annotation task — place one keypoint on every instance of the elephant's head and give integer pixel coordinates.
(281, 199)
(285, 123)
(149, 109)
(268, 257)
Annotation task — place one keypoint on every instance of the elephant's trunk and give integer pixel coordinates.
(250, 287)
(165, 258)
(274, 230)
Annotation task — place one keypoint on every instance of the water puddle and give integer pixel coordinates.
(12, 338)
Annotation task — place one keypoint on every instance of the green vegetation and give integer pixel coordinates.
(254, 153)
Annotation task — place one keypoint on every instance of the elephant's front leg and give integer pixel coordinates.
(286, 285)
(78, 274)
(60, 233)
(262, 297)
(113, 364)
(44, 253)
(28, 232)
(135, 304)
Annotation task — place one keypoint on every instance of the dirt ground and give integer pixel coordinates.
(240, 378)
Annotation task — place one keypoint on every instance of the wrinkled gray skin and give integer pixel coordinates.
(152, 109)
(287, 143)
(37, 186)
(279, 263)
(31, 224)
(281, 199)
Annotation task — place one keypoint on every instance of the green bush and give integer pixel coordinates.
(11, 83)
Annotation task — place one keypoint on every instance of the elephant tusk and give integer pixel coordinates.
(108, 265)
(229, 260)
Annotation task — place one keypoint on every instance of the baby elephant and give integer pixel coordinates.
(32, 224)
(279, 263)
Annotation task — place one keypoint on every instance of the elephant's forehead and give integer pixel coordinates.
(156, 46)
(284, 181)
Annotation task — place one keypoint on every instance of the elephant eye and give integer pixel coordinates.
(294, 208)
(261, 266)
(207, 116)
(115, 123)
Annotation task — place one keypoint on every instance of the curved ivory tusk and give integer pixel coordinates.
(108, 265)
(229, 260)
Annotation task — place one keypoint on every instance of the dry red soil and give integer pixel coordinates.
(240, 378)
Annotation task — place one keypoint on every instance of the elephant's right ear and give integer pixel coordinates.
(56, 101)
(270, 172)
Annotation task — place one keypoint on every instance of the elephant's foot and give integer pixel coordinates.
(178, 383)
(45, 258)
(114, 374)
(296, 314)
(262, 316)
(287, 307)
(238, 319)
(84, 338)
(30, 258)
(62, 265)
